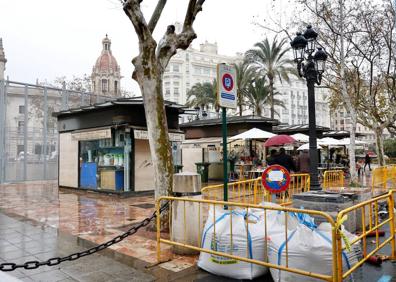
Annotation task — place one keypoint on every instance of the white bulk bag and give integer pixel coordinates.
(309, 249)
(248, 241)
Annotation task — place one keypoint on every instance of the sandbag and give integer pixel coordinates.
(248, 241)
(309, 249)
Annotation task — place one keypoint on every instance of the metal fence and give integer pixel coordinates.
(251, 191)
(28, 131)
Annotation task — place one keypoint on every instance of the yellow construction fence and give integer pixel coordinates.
(333, 178)
(251, 191)
(193, 213)
(383, 179)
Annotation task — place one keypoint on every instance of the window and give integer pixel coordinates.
(37, 149)
(176, 83)
(20, 148)
(176, 68)
(116, 86)
(167, 83)
(104, 85)
(21, 125)
(167, 91)
(21, 109)
(197, 70)
(176, 92)
(206, 71)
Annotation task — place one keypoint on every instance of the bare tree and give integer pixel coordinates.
(150, 65)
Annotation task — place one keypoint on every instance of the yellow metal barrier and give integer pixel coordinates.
(383, 179)
(245, 191)
(333, 178)
(251, 191)
(372, 226)
(201, 208)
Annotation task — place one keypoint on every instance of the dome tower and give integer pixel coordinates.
(106, 74)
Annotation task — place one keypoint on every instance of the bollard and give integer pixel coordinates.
(187, 217)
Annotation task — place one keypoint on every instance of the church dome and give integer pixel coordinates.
(106, 62)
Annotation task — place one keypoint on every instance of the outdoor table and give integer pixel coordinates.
(242, 169)
(255, 173)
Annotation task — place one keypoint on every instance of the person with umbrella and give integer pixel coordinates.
(285, 160)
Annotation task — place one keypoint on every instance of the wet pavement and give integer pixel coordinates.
(92, 218)
(38, 220)
(22, 241)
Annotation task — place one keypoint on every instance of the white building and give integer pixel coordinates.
(192, 66)
(340, 120)
(295, 97)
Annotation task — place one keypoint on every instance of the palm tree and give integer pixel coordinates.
(244, 75)
(202, 95)
(270, 60)
(259, 95)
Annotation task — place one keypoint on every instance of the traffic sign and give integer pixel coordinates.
(275, 178)
(226, 86)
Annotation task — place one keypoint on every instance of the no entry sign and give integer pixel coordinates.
(275, 178)
(226, 86)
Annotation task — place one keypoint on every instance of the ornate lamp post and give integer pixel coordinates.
(311, 67)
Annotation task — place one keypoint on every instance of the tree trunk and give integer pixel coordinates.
(258, 111)
(352, 158)
(347, 99)
(157, 128)
(380, 145)
(240, 104)
(272, 98)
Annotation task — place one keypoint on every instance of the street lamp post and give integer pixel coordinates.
(311, 67)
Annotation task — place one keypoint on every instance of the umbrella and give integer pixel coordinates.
(347, 141)
(300, 137)
(306, 147)
(279, 140)
(328, 141)
(253, 133)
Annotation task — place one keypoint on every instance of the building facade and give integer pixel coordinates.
(106, 73)
(341, 120)
(192, 66)
(295, 97)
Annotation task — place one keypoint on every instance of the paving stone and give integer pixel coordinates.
(69, 280)
(15, 254)
(50, 276)
(97, 276)
(26, 279)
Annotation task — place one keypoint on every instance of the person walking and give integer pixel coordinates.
(272, 157)
(285, 160)
(303, 162)
(367, 161)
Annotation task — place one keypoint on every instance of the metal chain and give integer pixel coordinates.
(8, 266)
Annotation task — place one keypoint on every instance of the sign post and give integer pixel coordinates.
(226, 98)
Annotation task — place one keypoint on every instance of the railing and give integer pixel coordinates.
(333, 178)
(192, 219)
(191, 215)
(251, 191)
(383, 179)
(371, 225)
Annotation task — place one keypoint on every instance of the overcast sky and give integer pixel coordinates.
(46, 39)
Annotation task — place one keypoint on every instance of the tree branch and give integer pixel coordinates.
(134, 13)
(156, 15)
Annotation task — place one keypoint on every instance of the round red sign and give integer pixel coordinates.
(275, 178)
(228, 82)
